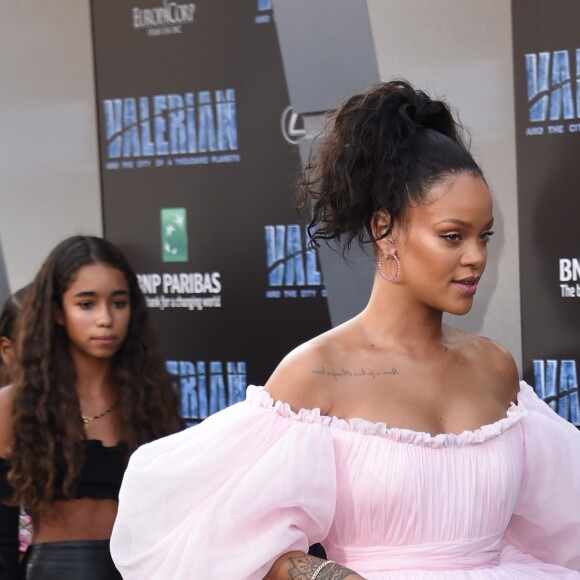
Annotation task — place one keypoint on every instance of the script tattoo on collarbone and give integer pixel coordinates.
(356, 373)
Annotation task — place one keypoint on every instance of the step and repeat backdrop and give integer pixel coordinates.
(199, 157)
(198, 163)
(547, 96)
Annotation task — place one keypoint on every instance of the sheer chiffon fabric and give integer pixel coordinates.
(226, 498)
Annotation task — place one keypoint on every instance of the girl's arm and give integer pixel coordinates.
(301, 566)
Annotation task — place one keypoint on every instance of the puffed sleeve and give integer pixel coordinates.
(546, 520)
(226, 498)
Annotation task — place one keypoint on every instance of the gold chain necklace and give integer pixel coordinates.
(89, 419)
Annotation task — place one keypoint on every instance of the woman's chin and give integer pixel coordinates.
(460, 310)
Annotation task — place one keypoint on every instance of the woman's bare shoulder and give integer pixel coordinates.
(6, 400)
(301, 380)
(493, 360)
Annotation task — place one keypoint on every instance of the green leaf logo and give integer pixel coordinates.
(174, 234)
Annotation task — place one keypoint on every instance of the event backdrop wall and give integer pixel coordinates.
(197, 176)
(461, 49)
(201, 106)
(547, 89)
(50, 182)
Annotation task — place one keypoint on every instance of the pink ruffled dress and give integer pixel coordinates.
(224, 499)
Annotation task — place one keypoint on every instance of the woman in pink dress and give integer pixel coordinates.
(407, 448)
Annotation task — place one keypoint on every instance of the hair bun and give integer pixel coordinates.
(422, 112)
(408, 114)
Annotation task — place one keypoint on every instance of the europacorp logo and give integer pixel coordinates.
(168, 18)
(174, 246)
(553, 81)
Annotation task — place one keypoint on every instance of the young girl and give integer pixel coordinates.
(90, 387)
(406, 447)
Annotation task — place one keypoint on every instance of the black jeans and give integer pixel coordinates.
(75, 560)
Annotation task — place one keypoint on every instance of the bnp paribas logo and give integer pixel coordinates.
(174, 234)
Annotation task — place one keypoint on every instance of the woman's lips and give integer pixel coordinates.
(467, 285)
(105, 340)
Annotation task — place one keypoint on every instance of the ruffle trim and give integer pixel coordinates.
(258, 397)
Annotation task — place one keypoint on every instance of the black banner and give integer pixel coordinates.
(198, 165)
(547, 93)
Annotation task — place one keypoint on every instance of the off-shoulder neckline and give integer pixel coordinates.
(256, 396)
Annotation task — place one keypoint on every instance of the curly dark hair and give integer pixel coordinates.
(47, 427)
(383, 149)
(8, 317)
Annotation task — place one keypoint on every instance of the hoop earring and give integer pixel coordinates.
(393, 256)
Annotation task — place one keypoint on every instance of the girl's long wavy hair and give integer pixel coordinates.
(48, 434)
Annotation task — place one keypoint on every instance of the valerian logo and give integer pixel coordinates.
(172, 129)
(552, 87)
(264, 12)
(561, 393)
(207, 387)
(165, 19)
(293, 269)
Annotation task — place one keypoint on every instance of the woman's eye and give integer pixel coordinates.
(487, 235)
(120, 304)
(452, 237)
(85, 305)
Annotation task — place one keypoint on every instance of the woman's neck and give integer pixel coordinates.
(93, 377)
(391, 321)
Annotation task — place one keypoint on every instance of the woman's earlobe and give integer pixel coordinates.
(381, 224)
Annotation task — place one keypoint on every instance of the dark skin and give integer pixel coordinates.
(396, 362)
(300, 566)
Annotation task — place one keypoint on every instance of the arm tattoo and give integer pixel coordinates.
(335, 572)
(302, 568)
